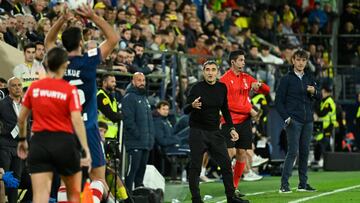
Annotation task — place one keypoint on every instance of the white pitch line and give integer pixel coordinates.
(325, 194)
(254, 194)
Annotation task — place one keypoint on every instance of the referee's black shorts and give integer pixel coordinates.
(54, 151)
(245, 135)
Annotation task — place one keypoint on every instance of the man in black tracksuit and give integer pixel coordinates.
(204, 102)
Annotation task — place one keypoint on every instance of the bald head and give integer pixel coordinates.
(15, 87)
(138, 80)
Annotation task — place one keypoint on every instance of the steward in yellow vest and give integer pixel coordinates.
(327, 114)
(259, 100)
(108, 111)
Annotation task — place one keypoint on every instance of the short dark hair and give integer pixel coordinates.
(162, 103)
(102, 124)
(39, 43)
(138, 45)
(2, 80)
(235, 54)
(55, 58)
(106, 76)
(29, 45)
(301, 53)
(209, 62)
(71, 38)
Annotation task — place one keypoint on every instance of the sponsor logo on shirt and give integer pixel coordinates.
(37, 92)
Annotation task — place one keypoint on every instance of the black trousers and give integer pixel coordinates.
(9, 161)
(213, 142)
(138, 159)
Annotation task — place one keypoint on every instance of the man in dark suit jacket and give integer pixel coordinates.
(9, 112)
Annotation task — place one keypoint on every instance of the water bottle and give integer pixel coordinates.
(183, 176)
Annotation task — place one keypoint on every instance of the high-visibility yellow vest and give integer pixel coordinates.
(329, 118)
(112, 127)
(358, 113)
(255, 100)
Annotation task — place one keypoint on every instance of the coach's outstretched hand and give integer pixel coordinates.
(196, 103)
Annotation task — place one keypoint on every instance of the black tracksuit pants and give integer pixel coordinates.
(9, 161)
(213, 142)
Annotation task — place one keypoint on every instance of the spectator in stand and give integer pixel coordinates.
(318, 15)
(141, 63)
(39, 52)
(120, 61)
(125, 38)
(289, 33)
(159, 7)
(349, 15)
(30, 70)
(136, 35)
(10, 36)
(190, 32)
(2, 28)
(269, 75)
(138, 130)
(200, 50)
(253, 61)
(222, 21)
(218, 53)
(110, 15)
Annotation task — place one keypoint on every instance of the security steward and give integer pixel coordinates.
(108, 111)
(327, 115)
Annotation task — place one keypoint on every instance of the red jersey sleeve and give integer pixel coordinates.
(264, 89)
(74, 103)
(27, 98)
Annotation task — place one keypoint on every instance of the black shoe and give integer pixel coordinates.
(237, 193)
(307, 188)
(239, 200)
(285, 189)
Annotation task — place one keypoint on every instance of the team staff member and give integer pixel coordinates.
(9, 112)
(205, 100)
(82, 73)
(107, 106)
(239, 85)
(56, 111)
(294, 100)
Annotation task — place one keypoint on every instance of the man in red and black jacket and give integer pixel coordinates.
(239, 84)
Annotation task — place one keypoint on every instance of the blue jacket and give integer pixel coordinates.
(292, 99)
(138, 121)
(164, 134)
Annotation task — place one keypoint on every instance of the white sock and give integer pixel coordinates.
(203, 170)
(97, 189)
(61, 195)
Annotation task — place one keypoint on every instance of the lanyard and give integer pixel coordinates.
(16, 108)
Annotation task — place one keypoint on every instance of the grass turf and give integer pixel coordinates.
(266, 190)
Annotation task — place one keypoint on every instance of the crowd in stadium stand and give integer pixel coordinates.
(197, 31)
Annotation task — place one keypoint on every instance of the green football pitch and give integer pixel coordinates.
(339, 187)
